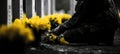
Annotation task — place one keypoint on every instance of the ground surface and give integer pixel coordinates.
(61, 49)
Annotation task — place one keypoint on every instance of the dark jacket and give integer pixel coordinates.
(92, 14)
(94, 22)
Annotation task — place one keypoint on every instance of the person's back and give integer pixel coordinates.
(94, 22)
(99, 17)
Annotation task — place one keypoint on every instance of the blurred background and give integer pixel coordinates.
(11, 9)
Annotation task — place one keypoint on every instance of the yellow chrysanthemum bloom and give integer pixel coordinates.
(24, 19)
(27, 33)
(23, 31)
(3, 30)
(39, 23)
(34, 22)
(45, 24)
(119, 14)
(66, 16)
(58, 17)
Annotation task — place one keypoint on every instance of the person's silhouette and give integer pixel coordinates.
(94, 22)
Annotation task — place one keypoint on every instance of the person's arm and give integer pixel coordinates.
(88, 8)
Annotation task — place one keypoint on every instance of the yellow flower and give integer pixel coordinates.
(59, 17)
(44, 24)
(24, 19)
(66, 16)
(34, 21)
(40, 23)
(27, 34)
(119, 15)
(3, 30)
(24, 32)
(19, 28)
(63, 41)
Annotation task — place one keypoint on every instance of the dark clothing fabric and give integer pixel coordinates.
(91, 38)
(94, 20)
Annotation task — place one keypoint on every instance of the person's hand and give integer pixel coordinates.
(58, 39)
(51, 38)
(58, 30)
